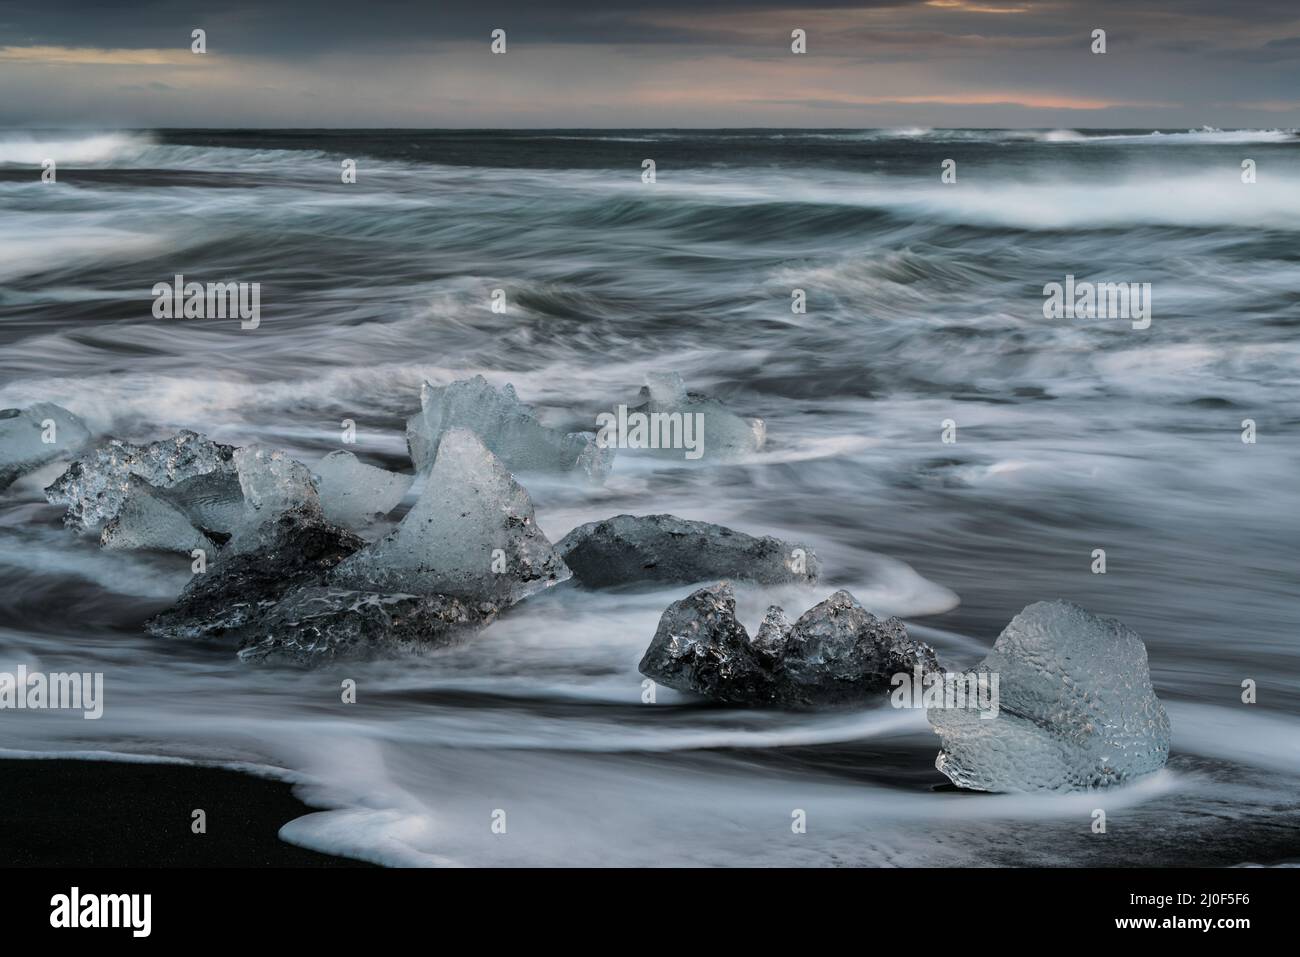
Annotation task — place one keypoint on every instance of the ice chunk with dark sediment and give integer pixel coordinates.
(95, 486)
(627, 549)
(35, 436)
(836, 653)
(472, 534)
(272, 485)
(1076, 708)
(296, 548)
(146, 520)
(355, 494)
(508, 427)
(716, 431)
(318, 625)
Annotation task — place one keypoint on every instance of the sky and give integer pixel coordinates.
(1173, 64)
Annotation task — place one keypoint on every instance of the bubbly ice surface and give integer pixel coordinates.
(273, 484)
(472, 534)
(95, 486)
(31, 437)
(147, 520)
(1076, 709)
(508, 427)
(353, 493)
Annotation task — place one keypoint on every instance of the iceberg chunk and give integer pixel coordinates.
(836, 653)
(1076, 709)
(214, 502)
(702, 648)
(508, 428)
(95, 486)
(273, 484)
(318, 625)
(147, 520)
(725, 435)
(471, 535)
(664, 548)
(353, 493)
(35, 436)
(296, 549)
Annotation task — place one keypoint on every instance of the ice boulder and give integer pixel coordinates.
(295, 549)
(96, 485)
(353, 493)
(721, 433)
(508, 428)
(667, 549)
(36, 436)
(318, 625)
(1076, 711)
(471, 535)
(147, 520)
(836, 653)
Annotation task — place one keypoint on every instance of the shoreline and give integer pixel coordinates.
(74, 812)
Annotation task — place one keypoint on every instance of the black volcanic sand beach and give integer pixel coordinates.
(116, 814)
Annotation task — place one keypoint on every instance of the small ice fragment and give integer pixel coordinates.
(353, 493)
(273, 484)
(472, 535)
(666, 388)
(725, 434)
(147, 520)
(1076, 708)
(271, 481)
(35, 436)
(509, 428)
(95, 486)
(772, 635)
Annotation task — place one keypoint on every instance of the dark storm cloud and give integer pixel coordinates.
(303, 27)
(306, 27)
(651, 62)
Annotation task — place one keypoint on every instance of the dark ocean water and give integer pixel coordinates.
(924, 304)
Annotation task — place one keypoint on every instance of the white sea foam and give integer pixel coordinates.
(88, 149)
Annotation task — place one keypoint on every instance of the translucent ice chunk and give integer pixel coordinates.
(725, 434)
(95, 486)
(147, 520)
(31, 437)
(353, 493)
(1076, 708)
(508, 427)
(213, 501)
(471, 535)
(273, 484)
